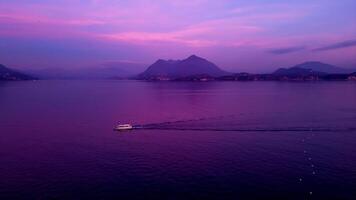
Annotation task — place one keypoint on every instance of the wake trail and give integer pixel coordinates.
(253, 129)
(218, 124)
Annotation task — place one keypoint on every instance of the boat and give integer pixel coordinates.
(123, 127)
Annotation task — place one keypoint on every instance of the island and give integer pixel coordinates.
(195, 68)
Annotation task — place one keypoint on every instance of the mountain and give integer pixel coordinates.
(311, 68)
(117, 69)
(7, 74)
(173, 69)
(322, 67)
(296, 71)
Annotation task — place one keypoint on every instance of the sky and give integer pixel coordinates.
(251, 36)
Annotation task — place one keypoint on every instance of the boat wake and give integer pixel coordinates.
(251, 129)
(232, 124)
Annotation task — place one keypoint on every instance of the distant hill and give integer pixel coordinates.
(323, 67)
(7, 74)
(296, 71)
(311, 68)
(172, 69)
(101, 71)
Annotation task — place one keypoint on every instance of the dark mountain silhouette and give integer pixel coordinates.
(105, 70)
(173, 69)
(7, 74)
(323, 67)
(296, 71)
(312, 68)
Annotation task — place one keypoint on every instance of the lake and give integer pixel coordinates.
(203, 140)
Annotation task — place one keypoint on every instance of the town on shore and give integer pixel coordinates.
(195, 68)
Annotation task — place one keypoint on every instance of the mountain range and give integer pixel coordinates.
(106, 70)
(192, 68)
(197, 68)
(312, 68)
(7, 74)
(173, 69)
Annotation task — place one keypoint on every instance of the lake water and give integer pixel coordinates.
(206, 140)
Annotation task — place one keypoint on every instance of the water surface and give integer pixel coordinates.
(57, 142)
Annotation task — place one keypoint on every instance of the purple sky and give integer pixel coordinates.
(253, 36)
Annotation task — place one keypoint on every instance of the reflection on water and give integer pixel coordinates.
(57, 140)
(238, 124)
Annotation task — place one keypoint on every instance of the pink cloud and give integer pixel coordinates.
(235, 31)
(185, 26)
(149, 38)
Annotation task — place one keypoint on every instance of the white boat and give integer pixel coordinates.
(122, 127)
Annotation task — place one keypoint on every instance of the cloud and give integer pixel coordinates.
(339, 45)
(287, 50)
(226, 32)
(194, 26)
(170, 37)
(149, 23)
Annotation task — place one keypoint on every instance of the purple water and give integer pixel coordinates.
(210, 140)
